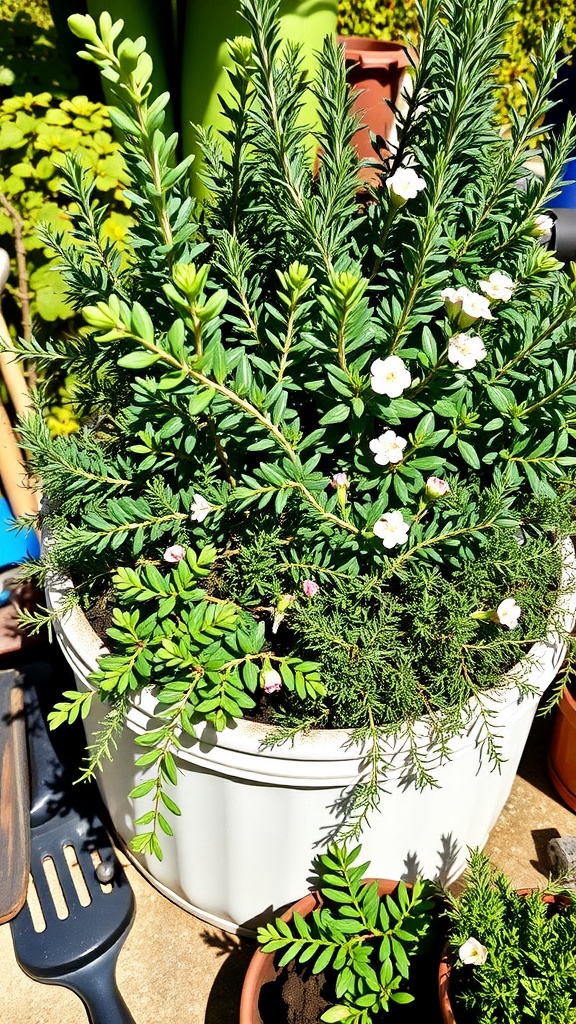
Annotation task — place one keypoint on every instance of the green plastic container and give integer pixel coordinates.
(186, 40)
(207, 26)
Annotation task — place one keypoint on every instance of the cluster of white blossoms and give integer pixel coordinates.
(464, 307)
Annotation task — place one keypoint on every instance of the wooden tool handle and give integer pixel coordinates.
(12, 372)
(21, 499)
(14, 800)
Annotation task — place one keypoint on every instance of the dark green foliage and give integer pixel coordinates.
(530, 970)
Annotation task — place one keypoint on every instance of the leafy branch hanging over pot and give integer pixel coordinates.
(313, 428)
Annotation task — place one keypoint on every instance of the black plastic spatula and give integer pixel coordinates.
(73, 925)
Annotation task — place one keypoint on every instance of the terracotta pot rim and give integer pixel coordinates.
(374, 54)
(372, 45)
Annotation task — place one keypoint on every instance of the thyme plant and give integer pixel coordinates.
(514, 958)
(324, 465)
(366, 941)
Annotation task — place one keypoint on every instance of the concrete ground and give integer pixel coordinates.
(174, 967)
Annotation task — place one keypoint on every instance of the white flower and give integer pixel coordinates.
(452, 300)
(389, 376)
(474, 307)
(392, 529)
(404, 184)
(465, 306)
(388, 448)
(499, 287)
(466, 350)
(507, 613)
(543, 225)
(473, 952)
(199, 509)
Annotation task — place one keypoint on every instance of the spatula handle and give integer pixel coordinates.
(108, 1008)
(96, 985)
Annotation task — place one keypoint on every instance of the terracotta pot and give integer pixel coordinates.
(445, 969)
(376, 69)
(562, 750)
(262, 968)
(444, 988)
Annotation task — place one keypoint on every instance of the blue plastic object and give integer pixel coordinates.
(567, 198)
(15, 547)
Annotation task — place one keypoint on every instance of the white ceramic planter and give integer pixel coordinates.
(252, 817)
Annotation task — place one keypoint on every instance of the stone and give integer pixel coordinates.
(562, 854)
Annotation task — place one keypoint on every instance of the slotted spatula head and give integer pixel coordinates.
(80, 905)
(66, 853)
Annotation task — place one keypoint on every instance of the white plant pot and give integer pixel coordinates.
(252, 818)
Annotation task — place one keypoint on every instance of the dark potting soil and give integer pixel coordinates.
(99, 614)
(299, 997)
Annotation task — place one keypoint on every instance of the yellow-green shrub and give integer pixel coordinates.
(36, 131)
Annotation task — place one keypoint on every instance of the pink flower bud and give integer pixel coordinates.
(174, 554)
(436, 487)
(271, 680)
(310, 588)
(339, 480)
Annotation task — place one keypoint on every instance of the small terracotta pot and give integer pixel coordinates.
(262, 967)
(562, 750)
(376, 70)
(447, 960)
